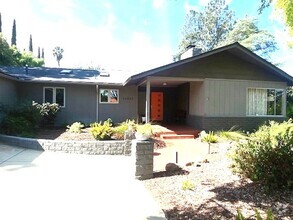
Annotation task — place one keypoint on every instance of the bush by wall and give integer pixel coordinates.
(20, 120)
(267, 155)
(102, 130)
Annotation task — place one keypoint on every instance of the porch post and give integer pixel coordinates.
(148, 101)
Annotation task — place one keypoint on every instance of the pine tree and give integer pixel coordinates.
(13, 38)
(43, 53)
(0, 23)
(39, 52)
(31, 44)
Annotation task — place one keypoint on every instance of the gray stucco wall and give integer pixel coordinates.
(196, 98)
(127, 107)
(8, 91)
(80, 101)
(227, 98)
(224, 103)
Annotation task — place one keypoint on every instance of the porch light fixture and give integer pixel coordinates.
(164, 83)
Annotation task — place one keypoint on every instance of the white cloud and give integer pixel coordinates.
(83, 45)
(188, 7)
(205, 2)
(157, 4)
(284, 55)
(108, 5)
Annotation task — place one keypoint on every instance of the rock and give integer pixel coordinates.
(172, 167)
(189, 164)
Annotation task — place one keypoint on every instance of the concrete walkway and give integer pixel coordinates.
(38, 185)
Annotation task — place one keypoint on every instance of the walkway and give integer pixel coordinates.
(38, 185)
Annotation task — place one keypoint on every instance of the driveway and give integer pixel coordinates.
(38, 185)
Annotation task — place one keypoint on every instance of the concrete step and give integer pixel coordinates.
(177, 136)
(189, 132)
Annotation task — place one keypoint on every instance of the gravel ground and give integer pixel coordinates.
(217, 194)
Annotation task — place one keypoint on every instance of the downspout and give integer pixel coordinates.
(97, 111)
(148, 101)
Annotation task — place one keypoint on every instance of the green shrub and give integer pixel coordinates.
(102, 131)
(210, 138)
(187, 185)
(232, 134)
(145, 129)
(20, 120)
(119, 131)
(48, 111)
(75, 127)
(267, 155)
(270, 215)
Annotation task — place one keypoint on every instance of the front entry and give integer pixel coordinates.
(157, 107)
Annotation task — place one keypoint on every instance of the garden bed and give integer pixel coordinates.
(217, 194)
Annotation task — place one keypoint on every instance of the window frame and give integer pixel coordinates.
(109, 95)
(267, 88)
(54, 94)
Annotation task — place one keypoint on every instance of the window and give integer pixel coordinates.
(54, 95)
(264, 101)
(109, 96)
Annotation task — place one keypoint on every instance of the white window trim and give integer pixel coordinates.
(267, 88)
(54, 94)
(114, 103)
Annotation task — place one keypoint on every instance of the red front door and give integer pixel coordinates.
(157, 100)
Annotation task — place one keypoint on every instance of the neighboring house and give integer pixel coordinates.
(214, 90)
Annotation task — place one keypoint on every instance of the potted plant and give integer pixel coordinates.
(143, 132)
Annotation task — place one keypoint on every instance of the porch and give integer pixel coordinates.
(170, 101)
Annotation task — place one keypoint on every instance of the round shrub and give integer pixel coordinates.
(267, 155)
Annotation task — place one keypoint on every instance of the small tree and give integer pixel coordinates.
(58, 53)
(13, 37)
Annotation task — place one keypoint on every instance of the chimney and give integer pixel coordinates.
(191, 51)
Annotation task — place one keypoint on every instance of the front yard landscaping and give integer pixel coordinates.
(217, 192)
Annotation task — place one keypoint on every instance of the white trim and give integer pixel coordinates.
(118, 98)
(54, 94)
(148, 101)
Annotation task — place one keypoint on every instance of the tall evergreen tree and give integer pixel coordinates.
(207, 28)
(31, 44)
(13, 38)
(39, 52)
(0, 23)
(43, 53)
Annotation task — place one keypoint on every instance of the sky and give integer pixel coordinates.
(134, 35)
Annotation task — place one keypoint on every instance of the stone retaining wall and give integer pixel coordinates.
(79, 147)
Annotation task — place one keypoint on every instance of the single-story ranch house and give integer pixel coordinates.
(213, 90)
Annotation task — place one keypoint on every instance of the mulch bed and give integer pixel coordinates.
(218, 193)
